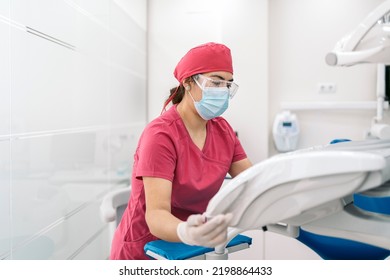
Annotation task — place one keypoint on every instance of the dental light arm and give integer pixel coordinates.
(369, 43)
(358, 47)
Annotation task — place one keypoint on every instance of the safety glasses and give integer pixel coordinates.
(203, 81)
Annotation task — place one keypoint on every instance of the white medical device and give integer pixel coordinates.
(368, 43)
(379, 129)
(310, 190)
(286, 131)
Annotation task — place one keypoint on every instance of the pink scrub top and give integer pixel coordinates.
(165, 150)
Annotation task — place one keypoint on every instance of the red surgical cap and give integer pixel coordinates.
(209, 57)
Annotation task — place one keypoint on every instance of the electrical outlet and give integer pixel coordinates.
(326, 88)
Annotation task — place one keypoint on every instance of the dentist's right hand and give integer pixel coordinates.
(197, 231)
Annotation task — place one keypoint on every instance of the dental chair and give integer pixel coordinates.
(365, 215)
(112, 208)
(322, 196)
(114, 204)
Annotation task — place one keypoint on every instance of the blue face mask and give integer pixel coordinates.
(214, 102)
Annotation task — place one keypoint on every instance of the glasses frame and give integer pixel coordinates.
(231, 86)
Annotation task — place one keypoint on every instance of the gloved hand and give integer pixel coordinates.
(197, 231)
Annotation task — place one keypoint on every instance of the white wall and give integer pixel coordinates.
(73, 102)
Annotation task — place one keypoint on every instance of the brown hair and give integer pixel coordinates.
(177, 93)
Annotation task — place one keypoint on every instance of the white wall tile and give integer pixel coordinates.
(52, 17)
(97, 10)
(124, 26)
(77, 231)
(52, 86)
(78, 86)
(121, 147)
(91, 36)
(67, 237)
(5, 7)
(135, 9)
(5, 149)
(53, 176)
(5, 90)
(128, 56)
(126, 104)
(5, 201)
(97, 248)
(42, 84)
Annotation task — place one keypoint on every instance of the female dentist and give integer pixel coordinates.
(182, 159)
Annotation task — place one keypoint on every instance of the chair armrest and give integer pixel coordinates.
(111, 201)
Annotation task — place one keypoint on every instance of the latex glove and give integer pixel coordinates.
(197, 231)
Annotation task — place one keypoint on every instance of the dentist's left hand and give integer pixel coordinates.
(197, 231)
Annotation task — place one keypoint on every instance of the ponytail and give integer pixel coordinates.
(176, 94)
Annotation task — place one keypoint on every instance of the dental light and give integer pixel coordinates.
(368, 43)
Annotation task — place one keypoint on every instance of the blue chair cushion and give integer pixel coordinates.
(374, 204)
(334, 141)
(333, 248)
(181, 251)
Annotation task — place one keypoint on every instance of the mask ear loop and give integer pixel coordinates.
(191, 96)
(195, 78)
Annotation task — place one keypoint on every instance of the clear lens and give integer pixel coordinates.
(208, 82)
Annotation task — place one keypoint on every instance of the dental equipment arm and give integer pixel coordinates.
(359, 47)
